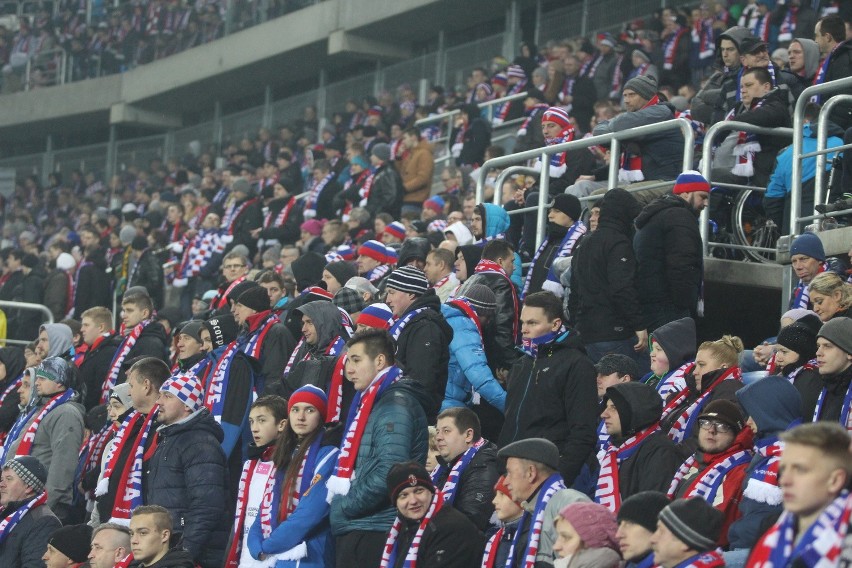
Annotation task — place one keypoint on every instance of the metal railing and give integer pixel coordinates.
(614, 139)
(822, 142)
(6, 305)
(45, 69)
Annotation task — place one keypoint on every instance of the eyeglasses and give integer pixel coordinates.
(721, 427)
(232, 266)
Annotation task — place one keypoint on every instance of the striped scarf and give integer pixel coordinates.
(25, 447)
(399, 325)
(391, 551)
(549, 488)
(121, 438)
(129, 494)
(685, 423)
(670, 45)
(707, 483)
(845, 414)
(788, 24)
(702, 37)
(8, 524)
(630, 167)
(566, 248)
(314, 195)
(250, 467)
(762, 483)
(197, 252)
(120, 355)
(530, 115)
(608, 491)
(712, 559)
(452, 484)
(801, 295)
(217, 387)
(232, 214)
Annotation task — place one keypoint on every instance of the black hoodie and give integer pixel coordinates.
(423, 349)
(92, 286)
(14, 361)
(604, 301)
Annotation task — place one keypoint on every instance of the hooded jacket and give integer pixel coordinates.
(812, 60)
(670, 258)
(395, 432)
(460, 231)
(719, 95)
(60, 338)
(416, 247)
(554, 396)
(275, 347)
(653, 465)
(677, 340)
(14, 361)
(423, 349)
(187, 475)
(495, 223)
(604, 302)
(94, 369)
(326, 319)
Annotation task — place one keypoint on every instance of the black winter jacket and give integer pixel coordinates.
(56, 293)
(835, 390)
(25, 545)
(603, 299)
(187, 475)
(499, 345)
(148, 273)
(274, 351)
(423, 350)
(31, 290)
(247, 221)
(386, 192)
(288, 233)
(449, 540)
(476, 139)
(840, 67)
(174, 558)
(152, 342)
(93, 286)
(14, 361)
(772, 113)
(94, 368)
(669, 255)
(554, 396)
(476, 485)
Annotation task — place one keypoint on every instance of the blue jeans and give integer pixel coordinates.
(597, 350)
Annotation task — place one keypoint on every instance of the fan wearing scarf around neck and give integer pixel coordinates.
(638, 457)
(810, 532)
(428, 532)
(386, 425)
(557, 128)
(686, 535)
(714, 376)
(23, 492)
(291, 527)
(53, 430)
(672, 355)
(508, 514)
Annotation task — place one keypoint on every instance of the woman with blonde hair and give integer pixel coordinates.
(831, 296)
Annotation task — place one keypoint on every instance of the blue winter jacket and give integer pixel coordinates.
(308, 523)
(396, 431)
(782, 177)
(497, 223)
(468, 368)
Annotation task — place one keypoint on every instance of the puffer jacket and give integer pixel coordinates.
(495, 221)
(554, 396)
(308, 523)
(188, 476)
(25, 545)
(476, 484)
(670, 259)
(468, 369)
(423, 350)
(395, 432)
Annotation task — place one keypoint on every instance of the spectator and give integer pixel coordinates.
(386, 193)
(12, 364)
(669, 252)
(110, 545)
(816, 466)
(373, 262)
(68, 546)
(804, 60)
(719, 95)
(637, 521)
(834, 360)
(509, 514)
(467, 468)
(439, 273)
(529, 135)
(416, 169)
(186, 473)
(30, 290)
(603, 303)
(282, 217)
(321, 194)
(59, 287)
(471, 135)
(191, 357)
(638, 457)
(676, 51)
(337, 274)
(560, 404)
(386, 427)
(91, 286)
(672, 354)
(427, 531)
(795, 359)
(831, 296)
(793, 20)
(586, 536)
(687, 530)
(151, 539)
(807, 257)
(23, 500)
(242, 216)
(55, 340)
(421, 334)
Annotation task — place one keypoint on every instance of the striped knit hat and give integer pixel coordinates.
(377, 316)
(309, 394)
(396, 229)
(375, 250)
(435, 203)
(557, 115)
(690, 181)
(408, 279)
(391, 256)
(437, 226)
(187, 388)
(516, 71)
(499, 79)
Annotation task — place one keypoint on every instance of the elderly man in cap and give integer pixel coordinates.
(52, 431)
(686, 535)
(533, 478)
(68, 547)
(27, 520)
(427, 531)
(187, 472)
(834, 360)
(637, 521)
(421, 333)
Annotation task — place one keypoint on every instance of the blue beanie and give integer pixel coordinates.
(772, 402)
(808, 244)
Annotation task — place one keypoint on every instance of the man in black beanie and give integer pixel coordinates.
(687, 532)
(449, 538)
(637, 521)
(68, 547)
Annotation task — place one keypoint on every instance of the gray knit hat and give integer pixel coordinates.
(30, 470)
(644, 85)
(694, 521)
(839, 332)
(481, 298)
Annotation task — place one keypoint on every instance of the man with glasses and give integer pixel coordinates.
(234, 269)
(715, 472)
(451, 177)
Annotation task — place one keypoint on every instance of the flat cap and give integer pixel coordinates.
(533, 449)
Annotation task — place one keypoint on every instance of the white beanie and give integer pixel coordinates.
(65, 261)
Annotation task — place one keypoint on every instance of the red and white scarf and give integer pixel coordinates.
(335, 391)
(121, 438)
(221, 301)
(707, 483)
(491, 548)
(233, 213)
(120, 355)
(129, 494)
(8, 524)
(712, 559)
(762, 483)
(359, 415)
(314, 195)
(608, 491)
(630, 169)
(250, 467)
(685, 422)
(25, 447)
(531, 114)
(281, 218)
(702, 37)
(390, 552)
(746, 148)
(788, 24)
(670, 45)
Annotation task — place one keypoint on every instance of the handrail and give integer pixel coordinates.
(612, 138)
(510, 171)
(58, 73)
(26, 306)
(798, 120)
(707, 160)
(822, 142)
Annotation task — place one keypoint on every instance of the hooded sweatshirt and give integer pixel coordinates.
(677, 340)
(811, 51)
(60, 337)
(460, 231)
(719, 94)
(495, 223)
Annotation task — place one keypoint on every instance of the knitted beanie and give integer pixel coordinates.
(643, 508)
(72, 541)
(694, 521)
(312, 227)
(690, 181)
(238, 290)
(396, 229)
(127, 234)
(801, 337)
(378, 316)
(839, 332)
(568, 204)
(256, 298)
(557, 115)
(187, 388)
(481, 298)
(342, 271)
(644, 85)
(54, 369)
(407, 474)
(435, 203)
(65, 261)
(501, 487)
(193, 330)
(516, 71)
(382, 151)
(349, 300)
(30, 470)
(726, 412)
(408, 279)
(309, 394)
(223, 329)
(594, 523)
(121, 393)
(375, 250)
(808, 244)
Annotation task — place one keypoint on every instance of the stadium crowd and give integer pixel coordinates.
(307, 359)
